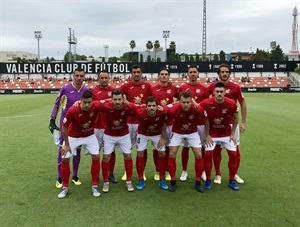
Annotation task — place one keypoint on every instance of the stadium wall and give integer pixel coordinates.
(245, 90)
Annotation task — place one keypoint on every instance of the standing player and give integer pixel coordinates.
(221, 112)
(66, 98)
(116, 133)
(164, 92)
(234, 92)
(103, 92)
(198, 92)
(136, 91)
(184, 129)
(77, 130)
(152, 128)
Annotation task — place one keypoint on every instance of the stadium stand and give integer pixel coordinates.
(252, 80)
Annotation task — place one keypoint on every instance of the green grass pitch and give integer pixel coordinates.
(270, 166)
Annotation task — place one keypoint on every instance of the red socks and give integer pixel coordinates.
(232, 164)
(217, 159)
(65, 173)
(112, 162)
(95, 170)
(128, 169)
(105, 170)
(172, 167)
(140, 167)
(184, 157)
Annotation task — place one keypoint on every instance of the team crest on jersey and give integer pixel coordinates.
(86, 125)
(164, 102)
(117, 123)
(91, 114)
(198, 90)
(109, 93)
(186, 127)
(65, 120)
(143, 86)
(224, 111)
(151, 127)
(191, 117)
(218, 121)
(227, 91)
(122, 113)
(169, 91)
(138, 99)
(157, 119)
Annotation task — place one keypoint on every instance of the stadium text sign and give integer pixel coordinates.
(148, 67)
(52, 68)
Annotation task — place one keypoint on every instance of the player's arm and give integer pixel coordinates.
(52, 125)
(66, 146)
(234, 125)
(244, 116)
(163, 137)
(208, 140)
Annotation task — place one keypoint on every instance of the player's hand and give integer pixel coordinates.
(52, 126)
(208, 141)
(160, 108)
(161, 143)
(233, 139)
(242, 127)
(65, 149)
(77, 103)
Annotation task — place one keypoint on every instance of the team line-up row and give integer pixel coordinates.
(119, 122)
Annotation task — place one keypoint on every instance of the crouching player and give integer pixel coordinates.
(77, 129)
(152, 128)
(184, 129)
(220, 112)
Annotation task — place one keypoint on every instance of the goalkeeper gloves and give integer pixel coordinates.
(52, 126)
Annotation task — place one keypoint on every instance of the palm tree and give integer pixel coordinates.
(149, 46)
(172, 45)
(132, 45)
(156, 46)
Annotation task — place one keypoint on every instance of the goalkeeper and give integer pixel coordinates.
(68, 94)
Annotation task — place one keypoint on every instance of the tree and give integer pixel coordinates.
(156, 46)
(141, 58)
(172, 45)
(261, 55)
(148, 58)
(222, 55)
(216, 57)
(149, 46)
(132, 45)
(197, 57)
(277, 54)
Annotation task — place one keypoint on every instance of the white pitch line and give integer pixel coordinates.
(32, 115)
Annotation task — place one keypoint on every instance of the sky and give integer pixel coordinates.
(231, 25)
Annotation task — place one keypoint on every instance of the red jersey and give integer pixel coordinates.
(137, 94)
(198, 92)
(81, 123)
(219, 116)
(151, 125)
(233, 91)
(101, 93)
(116, 124)
(185, 121)
(164, 95)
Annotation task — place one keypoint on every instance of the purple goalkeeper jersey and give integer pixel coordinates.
(67, 95)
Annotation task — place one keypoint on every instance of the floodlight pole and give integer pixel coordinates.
(38, 36)
(166, 35)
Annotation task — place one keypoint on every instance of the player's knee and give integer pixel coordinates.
(96, 157)
(66, 160)
(127, 156)
(140, 154)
